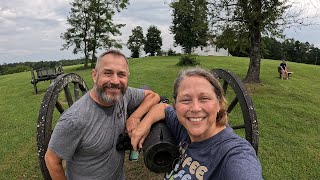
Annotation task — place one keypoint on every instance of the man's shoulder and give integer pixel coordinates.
(133, 89)
(133, 92)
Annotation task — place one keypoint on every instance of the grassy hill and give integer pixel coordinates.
(288, 115)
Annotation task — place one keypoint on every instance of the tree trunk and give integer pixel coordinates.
(253, 74)
(86, 54)
(188, 50)
(85, 66)
(93, 59)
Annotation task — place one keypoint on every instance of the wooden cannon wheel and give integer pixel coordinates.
(240, 102)
(56, 100)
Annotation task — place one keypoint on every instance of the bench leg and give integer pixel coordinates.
(35, 88)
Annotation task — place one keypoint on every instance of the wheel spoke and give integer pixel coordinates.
(68, 95)
(59, 107)
(238, 126)
(76, 91)
(225, 86)
(232, 105)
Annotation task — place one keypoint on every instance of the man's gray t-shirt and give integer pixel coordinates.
(86, 137)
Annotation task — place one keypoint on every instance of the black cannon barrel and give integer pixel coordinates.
(160, 149)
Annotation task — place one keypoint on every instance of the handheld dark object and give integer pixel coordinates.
(159, 149)
(124, 142)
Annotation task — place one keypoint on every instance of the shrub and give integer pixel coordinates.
(187, 60)
(171, 52)
(135, 54)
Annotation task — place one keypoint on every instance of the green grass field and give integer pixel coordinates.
(288, 115)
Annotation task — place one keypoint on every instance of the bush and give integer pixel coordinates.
(171, 52)
(187, 60)
(135, 54)
(160, 53)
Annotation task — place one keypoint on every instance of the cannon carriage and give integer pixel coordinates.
(68, 88)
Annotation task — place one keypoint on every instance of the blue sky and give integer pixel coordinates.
(30, 29)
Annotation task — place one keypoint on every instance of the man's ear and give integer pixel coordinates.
(174, 104)
(94, 75)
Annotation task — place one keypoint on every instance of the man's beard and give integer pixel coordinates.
(108, 98)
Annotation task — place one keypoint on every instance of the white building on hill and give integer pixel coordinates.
(211, 50)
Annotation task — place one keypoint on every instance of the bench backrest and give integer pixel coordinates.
(47, 72)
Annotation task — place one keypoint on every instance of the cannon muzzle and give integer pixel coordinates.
(160, 149)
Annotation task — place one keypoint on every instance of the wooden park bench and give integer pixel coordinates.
(44, 74)
(280, 73)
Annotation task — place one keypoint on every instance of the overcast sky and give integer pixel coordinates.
(30, 29)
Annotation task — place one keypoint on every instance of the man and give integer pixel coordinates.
(87, 133)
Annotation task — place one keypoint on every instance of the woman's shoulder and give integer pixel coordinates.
(231, 141)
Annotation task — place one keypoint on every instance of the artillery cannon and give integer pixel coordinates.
(158, 155)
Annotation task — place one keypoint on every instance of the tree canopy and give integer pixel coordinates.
(136, 41)
(92, 26)
(153, 41)
(190, 24)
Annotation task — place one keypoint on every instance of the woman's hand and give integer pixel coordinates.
(139, 134)
(141, 131)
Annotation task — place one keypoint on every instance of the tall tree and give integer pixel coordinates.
(78, 34)
(136, 41)
(92, 26)
(190, 24)
(153, 41)
(248, 20)
(103, 29)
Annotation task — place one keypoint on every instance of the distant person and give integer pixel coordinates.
(86, 134)
(284, 69)
(209, 149)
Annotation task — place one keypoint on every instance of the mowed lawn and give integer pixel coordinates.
(288, 115)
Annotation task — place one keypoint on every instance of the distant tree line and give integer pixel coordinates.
(27, 66)
(290, 50)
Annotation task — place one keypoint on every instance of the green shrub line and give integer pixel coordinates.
(12, 68)
(287, 110)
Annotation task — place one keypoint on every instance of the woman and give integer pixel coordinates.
(209, 149)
